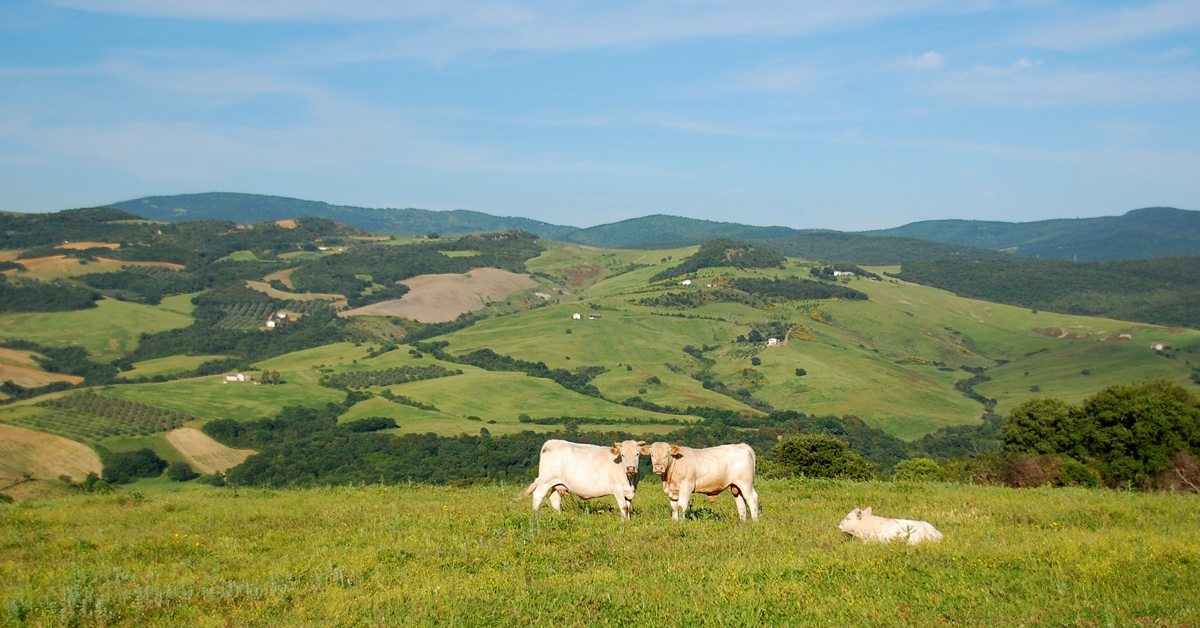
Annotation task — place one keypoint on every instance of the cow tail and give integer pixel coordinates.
(527, 492)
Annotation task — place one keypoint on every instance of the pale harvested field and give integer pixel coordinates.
(293, 296)
(9, 256)
(61, 266)
(80, 246)
(284, 276)
(286, 224)
(441, 298)
(17, 358)
(32, 377)
(44, 455)
(203, 453)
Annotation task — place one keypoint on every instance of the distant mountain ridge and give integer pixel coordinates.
(1141, 233)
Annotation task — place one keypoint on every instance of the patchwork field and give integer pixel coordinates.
(62, 267)
(440, 298)
(43, 455)
(426, 555)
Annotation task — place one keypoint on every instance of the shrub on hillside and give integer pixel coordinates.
(819, 456)
(919, 470)
(181, 472)
(128, 466)
(372, 424)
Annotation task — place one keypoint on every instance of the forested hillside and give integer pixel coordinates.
(258, 207)
(1141, 233)
(1163, 291)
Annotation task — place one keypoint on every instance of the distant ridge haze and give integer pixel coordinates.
(1142, 233)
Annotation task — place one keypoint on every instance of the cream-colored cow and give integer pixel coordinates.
(707, 471)
(587, 471)
(868, 527)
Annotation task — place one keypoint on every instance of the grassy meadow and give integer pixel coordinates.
(169, 554)
(108, 331)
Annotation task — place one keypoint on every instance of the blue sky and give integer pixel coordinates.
(853, 114)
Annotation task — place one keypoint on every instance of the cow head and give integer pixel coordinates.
(627, 453)
(853, 520)
(661, 455)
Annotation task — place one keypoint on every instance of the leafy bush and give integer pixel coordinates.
(820, 456)
(181, 472)
(919, 470)
(127, 467)
(372, 424)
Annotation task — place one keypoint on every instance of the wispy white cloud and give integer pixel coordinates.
(1023, 87)
(1101, 28)
(1024, 64)
(443, 29)
(928, 61)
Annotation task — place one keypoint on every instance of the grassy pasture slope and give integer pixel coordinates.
(426, 555)
(108, 331)
(167, 366)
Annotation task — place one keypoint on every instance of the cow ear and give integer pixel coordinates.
(614, 450)
(857, 513)
(674, 450)
(645, 451)
(642, 443)
(867, 511)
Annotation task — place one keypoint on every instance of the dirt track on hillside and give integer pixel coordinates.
(203, 453)
(46, 456)
(441, 298)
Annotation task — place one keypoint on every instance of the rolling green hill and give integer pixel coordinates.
(245, 208)
(1141, 233)
(1164, 291)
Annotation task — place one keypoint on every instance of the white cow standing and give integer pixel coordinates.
(707, 471)
(588, 471)
(868, 527)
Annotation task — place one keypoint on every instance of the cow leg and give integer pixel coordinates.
(751, 497)
(556, 500)
(539, 494)
(685, 495)
(739, 498)
(675, 509)
(622, 505)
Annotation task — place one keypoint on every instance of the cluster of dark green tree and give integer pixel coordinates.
(724, 252)
(795, 289)
(386, 377)
(692, 299)
(577, 380)
(1164, 291)
(1140, 435)
(387, 265)
(22, 294)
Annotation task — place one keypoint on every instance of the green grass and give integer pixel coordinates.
(169, 554)
(210, 398)
(240, 256)
(168, 365)
(107, 331)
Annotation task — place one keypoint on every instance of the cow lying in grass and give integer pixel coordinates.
(868, 527)
(587, 471)
(707, 471)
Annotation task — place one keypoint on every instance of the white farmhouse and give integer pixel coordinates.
(772, 342)
(270, 324)
(577, 316)
(1157, 346)
(238, 377)
(842, 273)
(686, 282)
